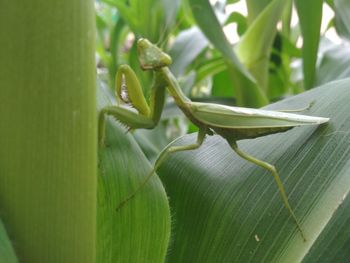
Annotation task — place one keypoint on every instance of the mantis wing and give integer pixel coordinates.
(221, 116)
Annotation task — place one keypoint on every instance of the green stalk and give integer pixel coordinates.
(48, 129)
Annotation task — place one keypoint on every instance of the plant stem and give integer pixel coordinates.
(48, 129)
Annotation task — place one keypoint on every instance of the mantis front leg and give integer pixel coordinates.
(273, 171)
(146, 116)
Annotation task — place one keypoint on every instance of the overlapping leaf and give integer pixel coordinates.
(310, 16)
(342, 18)
(254, 48)
(226, 209)
(139, 231)
(246, 89)
(7, 254)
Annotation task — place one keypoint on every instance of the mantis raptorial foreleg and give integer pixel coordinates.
(162, 157)
(147, 117)
(273, 171)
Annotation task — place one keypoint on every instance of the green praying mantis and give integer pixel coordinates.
(231, 123)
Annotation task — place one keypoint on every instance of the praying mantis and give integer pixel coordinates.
(231, 123)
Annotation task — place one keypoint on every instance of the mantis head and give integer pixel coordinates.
(150, 56)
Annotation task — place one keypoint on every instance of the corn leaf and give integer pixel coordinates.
(246, 89)
(226, 209)
(333, 62)
(255, 7)
(342, 18)
(254, 48)
(310, 16)
(139, 231)
(7, 254)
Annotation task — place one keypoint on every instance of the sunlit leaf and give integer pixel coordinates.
(254, 48)
(246, 89)
(255, 7)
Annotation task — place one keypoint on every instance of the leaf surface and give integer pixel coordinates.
(226, 209)
(140, 230)
(7, 253)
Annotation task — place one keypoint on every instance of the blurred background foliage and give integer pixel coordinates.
(245, 53)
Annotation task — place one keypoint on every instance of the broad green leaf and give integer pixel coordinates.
(240, 20)
(287, 18)
(342, 18)
(139, 231)
(152, 19)
(7, 253)
(310, 16)
(333, 63)
(226, 209)
(254, 48)
(246, 89)
(152, 142)
(333, 245)
(124, 11)
(210, 67)
(255, 7)
(219, 85)
(186, 47)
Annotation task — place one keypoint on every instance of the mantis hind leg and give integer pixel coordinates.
(162, 157)
(275, 175)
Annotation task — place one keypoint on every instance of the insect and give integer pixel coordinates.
(231, 123)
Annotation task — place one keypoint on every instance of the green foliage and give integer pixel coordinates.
(254, 48)
(333, 62)
(140, 231)
(342, 18)
(223, 208)
(7, 254)
(246, 89)
(310, 15)
(228, 210)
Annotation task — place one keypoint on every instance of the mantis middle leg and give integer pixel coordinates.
(162, 157)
